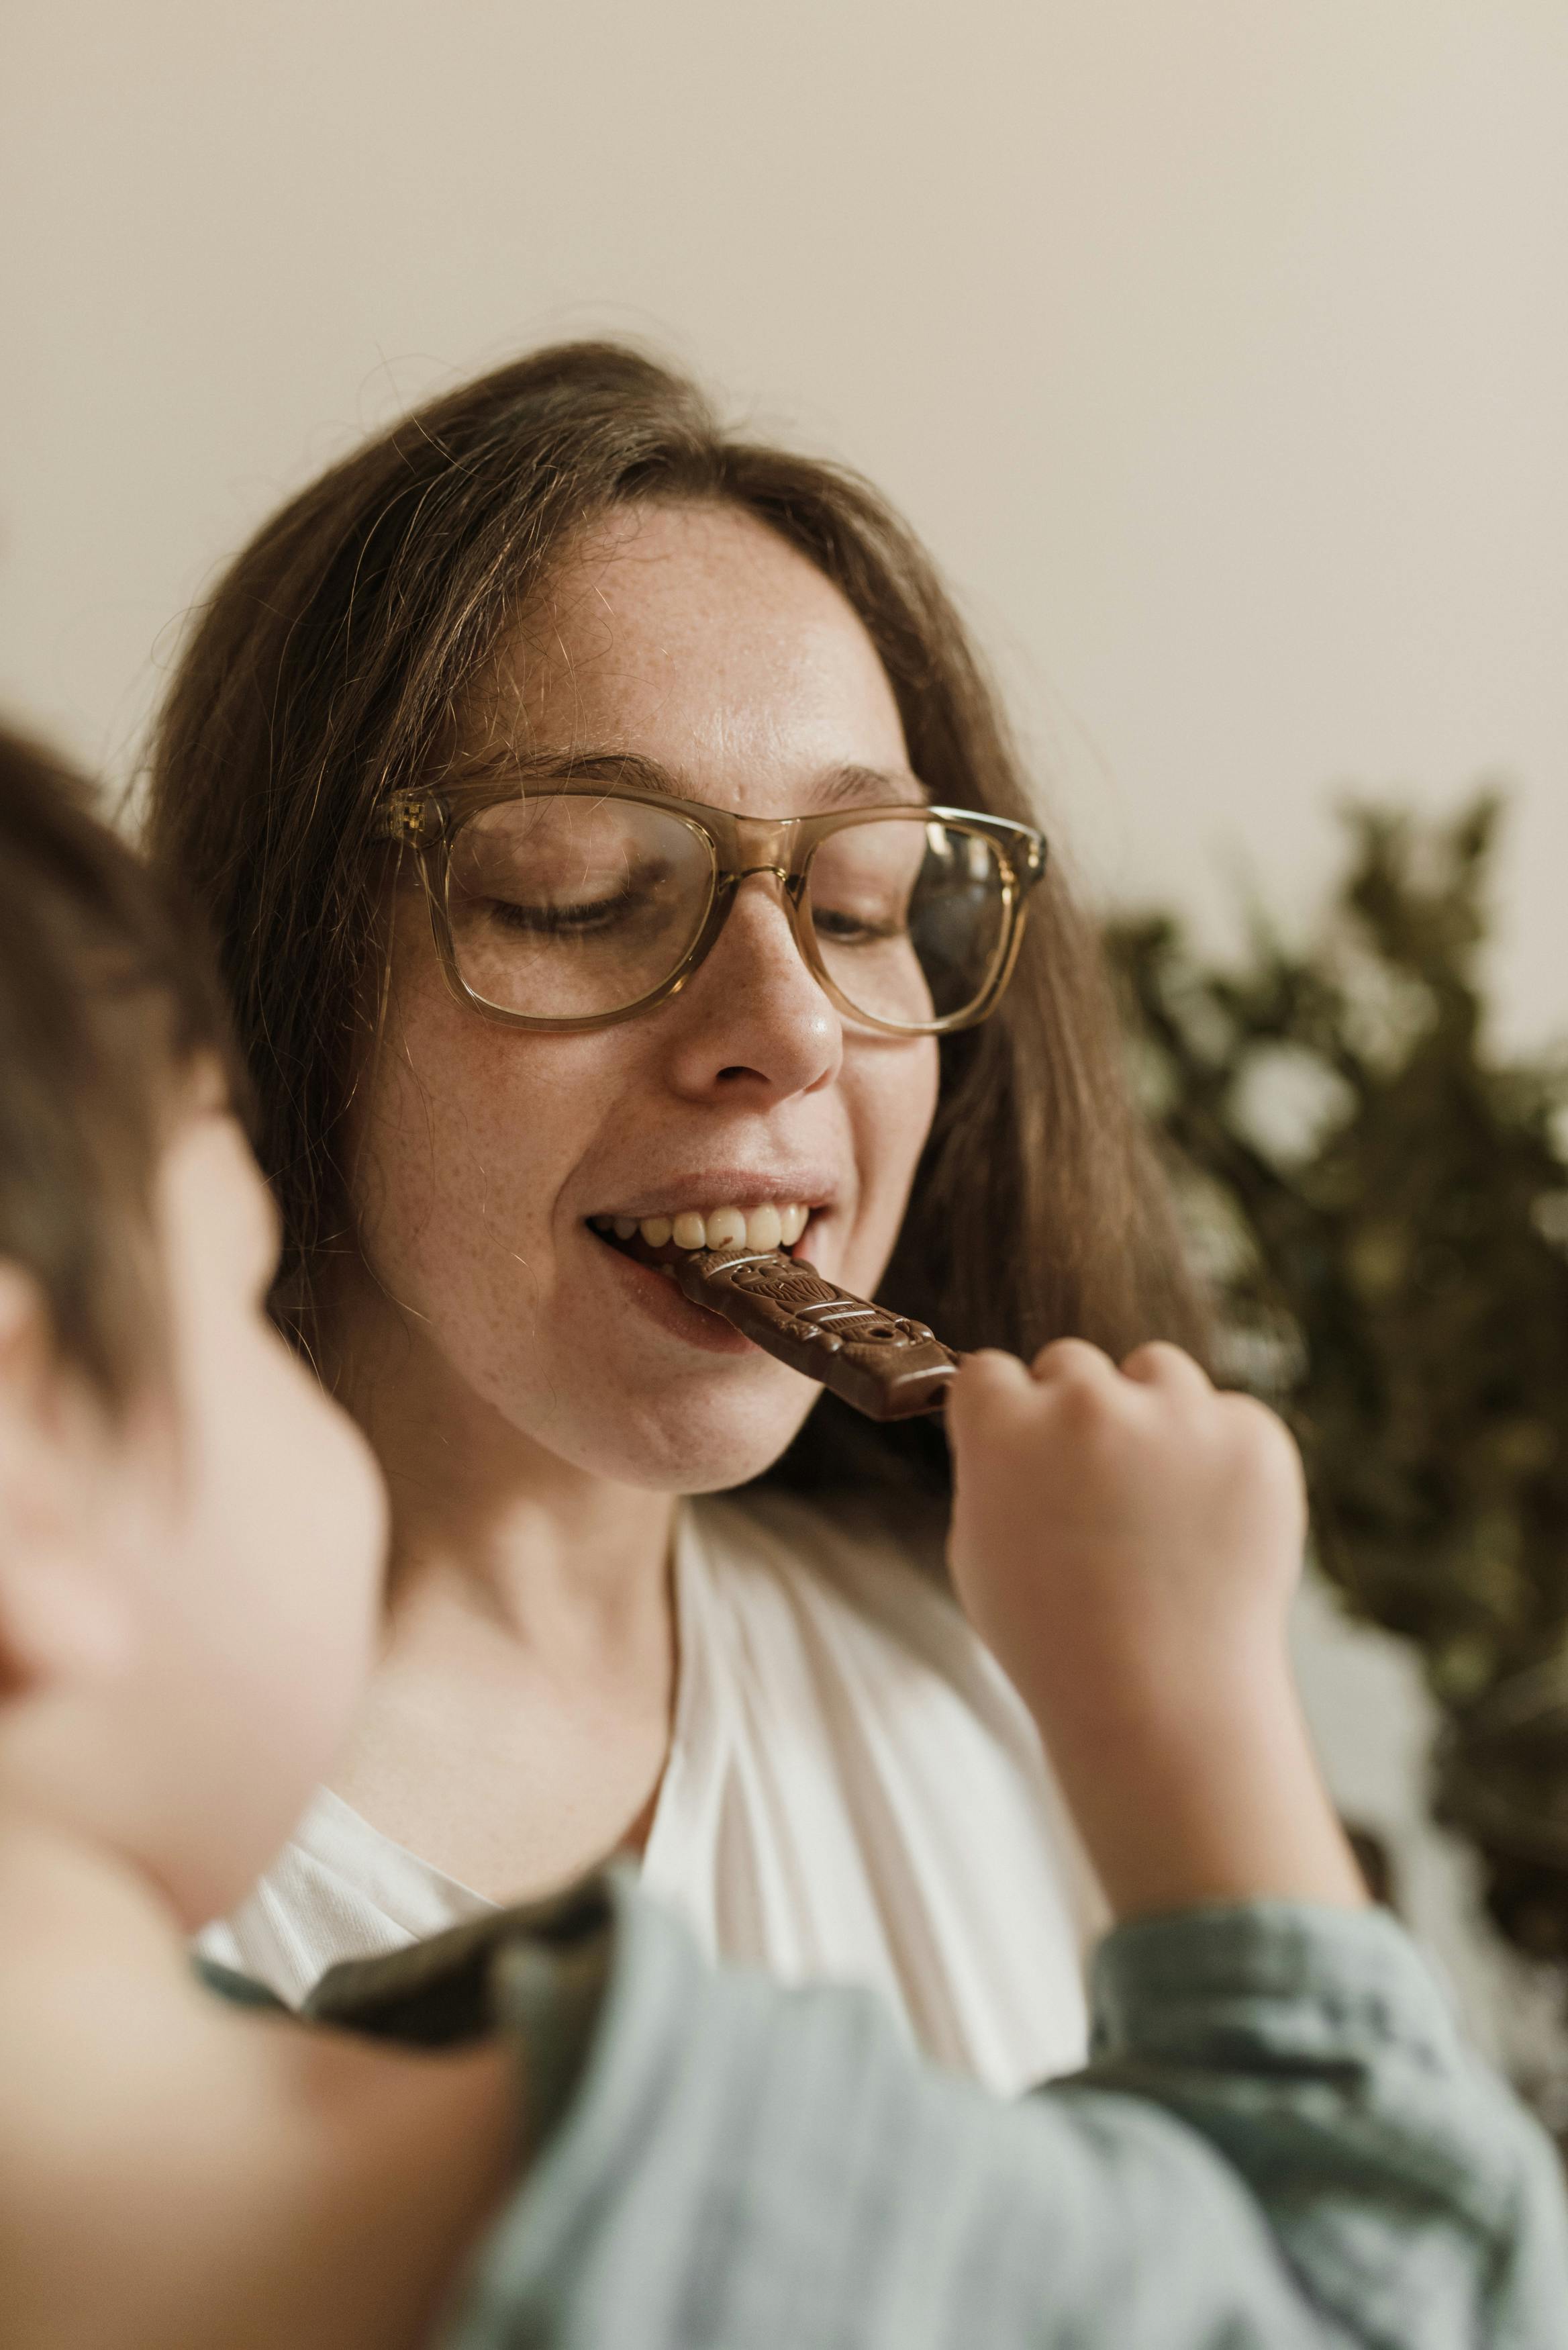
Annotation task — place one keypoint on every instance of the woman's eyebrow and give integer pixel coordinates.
(562, 766)
(849, 784)
(876, 786)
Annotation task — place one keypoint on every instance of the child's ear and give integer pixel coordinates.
(62, 1619)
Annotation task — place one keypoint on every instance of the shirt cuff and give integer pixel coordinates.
(1198, 1985)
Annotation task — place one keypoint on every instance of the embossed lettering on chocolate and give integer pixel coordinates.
(888, 1366)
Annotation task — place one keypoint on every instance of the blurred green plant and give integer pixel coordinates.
(1382, 1204)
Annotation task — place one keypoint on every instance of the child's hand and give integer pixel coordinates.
(1127, 1541)
(1124, 1528)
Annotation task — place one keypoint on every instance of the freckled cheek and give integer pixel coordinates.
(469, 1133)
(893, 1103)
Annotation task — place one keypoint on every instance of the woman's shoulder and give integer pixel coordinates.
(872, 1585)
(846, 1666)
(844, 1555)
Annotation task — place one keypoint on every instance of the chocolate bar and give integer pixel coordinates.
(886, 1366)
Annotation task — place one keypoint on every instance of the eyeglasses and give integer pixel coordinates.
(585, 902)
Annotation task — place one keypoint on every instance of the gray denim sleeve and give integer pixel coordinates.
(1279, 2141)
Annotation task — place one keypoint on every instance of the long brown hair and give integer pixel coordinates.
(327, 670)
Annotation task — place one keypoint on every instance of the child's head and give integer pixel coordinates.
(190, 1533)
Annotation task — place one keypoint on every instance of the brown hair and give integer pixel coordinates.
(102, 1003)
(327, 670)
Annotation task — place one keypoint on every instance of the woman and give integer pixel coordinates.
(455, 760)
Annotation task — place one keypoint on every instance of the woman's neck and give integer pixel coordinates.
(548, 1556)
(174, 2171)
(536, 1542)
(517, 1729)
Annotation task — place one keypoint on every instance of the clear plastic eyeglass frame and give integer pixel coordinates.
(428, 822)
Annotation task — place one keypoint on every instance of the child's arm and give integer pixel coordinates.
(1280, 2144)
(1280, 2141)
(1128, 1543)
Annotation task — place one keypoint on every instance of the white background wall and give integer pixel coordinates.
(1220, 347)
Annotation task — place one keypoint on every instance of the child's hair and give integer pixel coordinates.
(104, 1006)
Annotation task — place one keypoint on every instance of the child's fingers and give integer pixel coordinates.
(992, 1372)
(986, 1381)
(1161, 1364)
(1070, 1358)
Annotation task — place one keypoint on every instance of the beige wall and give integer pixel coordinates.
(1220, 347)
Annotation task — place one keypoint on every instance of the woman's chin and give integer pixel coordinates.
(698, 1436)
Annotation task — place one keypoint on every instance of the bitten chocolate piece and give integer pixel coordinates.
(887, 1367)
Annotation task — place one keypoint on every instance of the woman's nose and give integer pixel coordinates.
(754, 1015)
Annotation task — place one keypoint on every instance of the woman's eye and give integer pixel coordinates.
(576, 919)
(577, 907)
(838, 927)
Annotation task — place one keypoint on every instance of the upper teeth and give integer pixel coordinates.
(768, 1227)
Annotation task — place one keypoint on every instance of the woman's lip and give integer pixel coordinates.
(655, 1293)
(732, 1186)
(746, 1205)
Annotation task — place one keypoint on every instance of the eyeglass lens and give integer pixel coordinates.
(565, 907)
(909, 917)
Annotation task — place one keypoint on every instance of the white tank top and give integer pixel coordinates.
(854, 1794)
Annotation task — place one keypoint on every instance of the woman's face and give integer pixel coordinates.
(692, 636)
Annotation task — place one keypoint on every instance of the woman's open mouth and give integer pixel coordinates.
(661, 1241)
(655, 1244)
